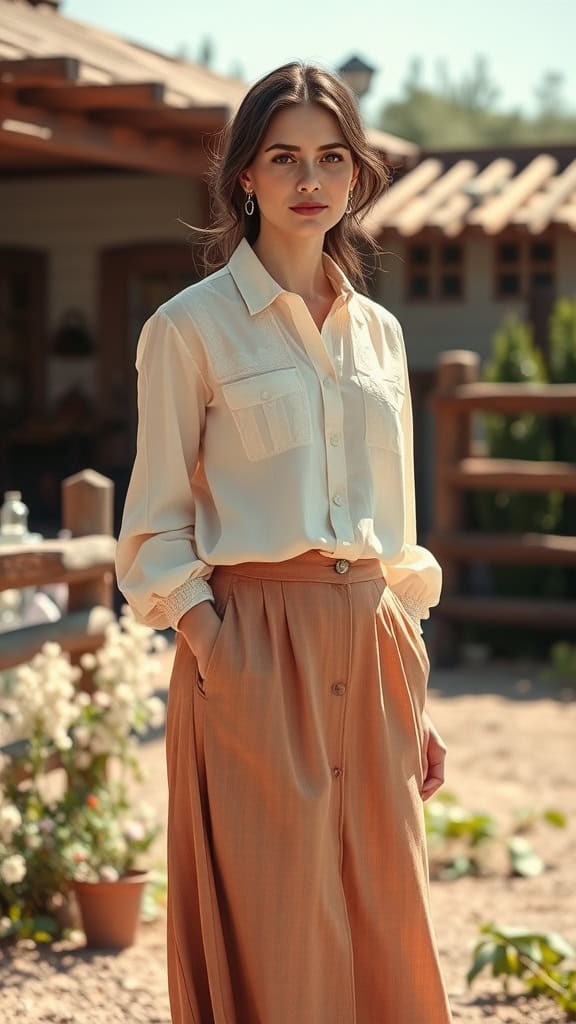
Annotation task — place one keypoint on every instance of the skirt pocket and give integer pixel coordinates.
(410, 680)
(223, 595)
(412, 628)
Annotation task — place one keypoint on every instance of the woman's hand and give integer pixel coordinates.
(434, 754)
(200, 627)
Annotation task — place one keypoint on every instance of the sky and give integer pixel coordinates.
(520, 41)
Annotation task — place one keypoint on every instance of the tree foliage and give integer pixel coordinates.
(465, 113)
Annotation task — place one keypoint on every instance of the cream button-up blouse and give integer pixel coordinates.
(260, 437)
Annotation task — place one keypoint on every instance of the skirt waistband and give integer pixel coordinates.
(312, 566)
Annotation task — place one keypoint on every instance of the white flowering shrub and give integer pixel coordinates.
(92, 832)
(122, 705)
(108, 836)
(33, 870)
(41, 705)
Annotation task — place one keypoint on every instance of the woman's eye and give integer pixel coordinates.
(279, 158)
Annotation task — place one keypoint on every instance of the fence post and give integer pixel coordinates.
(88, 507)
(453, 443)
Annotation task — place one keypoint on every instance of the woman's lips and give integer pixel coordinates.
(308, 209)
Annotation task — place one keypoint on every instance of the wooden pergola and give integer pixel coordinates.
(50, 119)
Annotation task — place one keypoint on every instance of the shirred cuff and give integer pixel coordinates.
(415, 609)
(189, 594)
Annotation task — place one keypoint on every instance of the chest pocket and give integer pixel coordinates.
(382, 400)
(271, 412)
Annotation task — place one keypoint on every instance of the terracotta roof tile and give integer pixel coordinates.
(450, 192)
(415, 216)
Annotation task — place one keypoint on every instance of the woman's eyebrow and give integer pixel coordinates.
(294, 149)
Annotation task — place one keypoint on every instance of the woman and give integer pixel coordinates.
(270, 521)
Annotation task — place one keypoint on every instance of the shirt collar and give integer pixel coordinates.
(258, 288)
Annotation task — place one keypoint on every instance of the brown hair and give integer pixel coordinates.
(288, 85)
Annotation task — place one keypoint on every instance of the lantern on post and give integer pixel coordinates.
(357, 75)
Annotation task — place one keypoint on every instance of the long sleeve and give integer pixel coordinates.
(416, 575)
(157, 567)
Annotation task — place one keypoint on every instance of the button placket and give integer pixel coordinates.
(335, 456)
(336, 469)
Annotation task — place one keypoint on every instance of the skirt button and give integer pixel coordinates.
(342, 565)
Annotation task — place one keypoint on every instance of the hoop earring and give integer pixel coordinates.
(349, 207)
(249, 203)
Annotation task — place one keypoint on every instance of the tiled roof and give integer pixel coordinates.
(106, 59)
(484, 191)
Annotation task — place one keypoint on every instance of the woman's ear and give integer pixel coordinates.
(244, 181)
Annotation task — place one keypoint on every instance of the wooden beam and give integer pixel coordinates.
(138, 104)
(76, 632)
(511, 475)
(126, 95)
(80, 140)
(180, 121)
(39, 71)
(508, 398)
(516, 611)
(59, 560)
(505, 548)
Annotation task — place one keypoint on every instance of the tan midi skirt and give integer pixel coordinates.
(298, 886)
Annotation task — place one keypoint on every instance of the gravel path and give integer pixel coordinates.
(510, 745)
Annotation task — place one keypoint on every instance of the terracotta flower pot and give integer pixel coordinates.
(111, 910)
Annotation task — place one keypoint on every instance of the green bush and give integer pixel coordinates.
(537, 958)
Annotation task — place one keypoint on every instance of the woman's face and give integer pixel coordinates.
(303, 157)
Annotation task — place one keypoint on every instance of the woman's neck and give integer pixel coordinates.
(297, 266)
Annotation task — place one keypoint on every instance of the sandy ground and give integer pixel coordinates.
(510, 741)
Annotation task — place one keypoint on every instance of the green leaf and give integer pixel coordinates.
(556, 818)
(558, 945)
(524, 860)
(530, 947)
(484, 955)
(44, 923)
(459, 867)
(500, 961)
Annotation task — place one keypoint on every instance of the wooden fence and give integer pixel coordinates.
(85, 562)
(459, 468)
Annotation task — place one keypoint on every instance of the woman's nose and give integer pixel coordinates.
(309, 177)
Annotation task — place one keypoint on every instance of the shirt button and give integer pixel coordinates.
(338, 688)
(337, 772)
(327, 382)
(264, 395)
(338, 499)
(334, 439)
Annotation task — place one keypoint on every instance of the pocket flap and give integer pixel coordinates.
(239, 394)
(382, 389)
